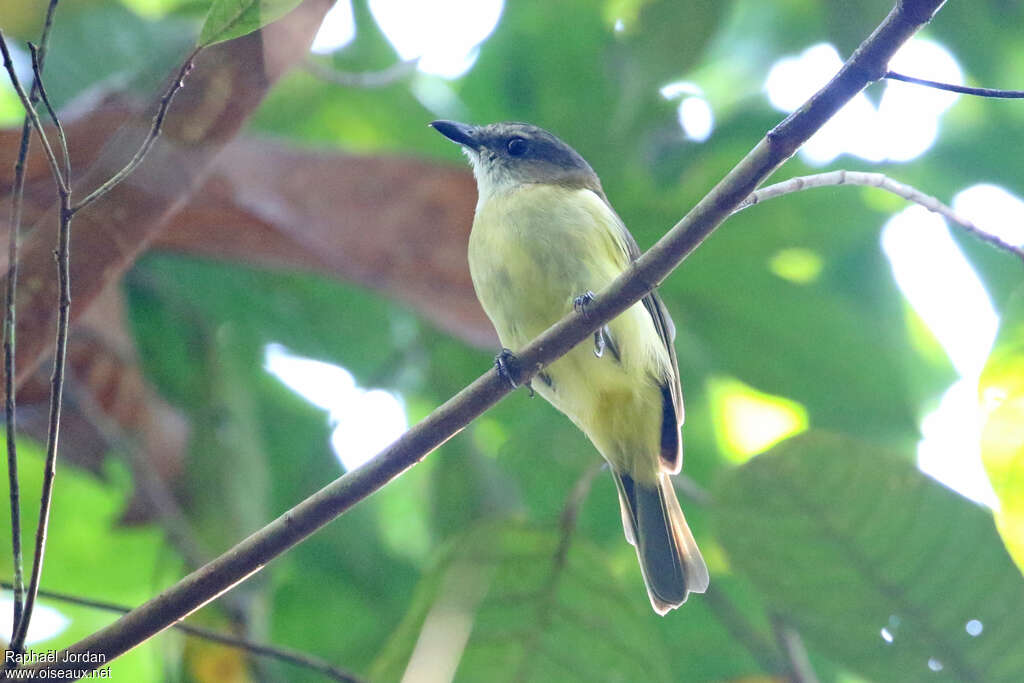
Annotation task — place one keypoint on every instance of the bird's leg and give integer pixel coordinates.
(508, 367)
(602, 337)
(605, 334)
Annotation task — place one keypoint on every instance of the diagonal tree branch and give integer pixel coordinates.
(868, 63)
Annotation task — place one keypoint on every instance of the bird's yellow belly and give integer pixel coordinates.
(530, 255)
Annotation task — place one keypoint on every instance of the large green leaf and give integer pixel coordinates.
(881, 568)
(528, 612)
(235, 18)
(1002, 439)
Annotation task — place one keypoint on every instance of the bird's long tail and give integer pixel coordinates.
(671, 563)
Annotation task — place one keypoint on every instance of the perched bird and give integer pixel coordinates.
(544, 239)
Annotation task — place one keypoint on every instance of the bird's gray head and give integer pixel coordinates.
(507, 155)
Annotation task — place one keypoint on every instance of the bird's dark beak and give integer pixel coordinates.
(462, 133)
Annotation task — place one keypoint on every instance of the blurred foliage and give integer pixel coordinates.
(90, 554)
(541, 607)
(1002, 440)
(830, 534)
(839, 533)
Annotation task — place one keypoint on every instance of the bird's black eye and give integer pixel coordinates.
(516, 147)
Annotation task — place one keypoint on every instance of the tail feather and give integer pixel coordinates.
(670, 561)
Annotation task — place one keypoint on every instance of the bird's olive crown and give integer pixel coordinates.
(523, 153)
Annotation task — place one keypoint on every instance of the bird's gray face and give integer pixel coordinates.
(507, 155)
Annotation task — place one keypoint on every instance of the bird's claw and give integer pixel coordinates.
(508, 367)
(599, 343)
(579, 304)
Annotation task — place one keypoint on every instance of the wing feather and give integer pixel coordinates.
(672, 418)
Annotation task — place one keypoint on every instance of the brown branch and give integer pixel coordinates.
(962, 89)
(882, 182)
(247, 557)
(39, 86)
(33, 115)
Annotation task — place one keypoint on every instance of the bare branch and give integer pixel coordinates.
(63, 255)
(57, 381)
(30, 111)
(882, 182)
(10, 324)
(962, 89)
(867, 64)
(38, 85)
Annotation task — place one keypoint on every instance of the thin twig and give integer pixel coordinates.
(867, 64)
(33, 115)
(281, 654)
(882, 182)
(962, 89)
(63, 255)
(10, 323)
(363, 79)
(66, 212)
(154, 132)
(57, 380)
(37, 69)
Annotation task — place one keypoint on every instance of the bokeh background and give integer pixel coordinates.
(851, 365)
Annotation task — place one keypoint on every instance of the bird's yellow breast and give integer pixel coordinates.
(531, 252)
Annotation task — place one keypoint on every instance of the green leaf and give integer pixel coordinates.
(89, 553)
(235, 18)
(1002, 439)
(878, 566)
(529, 614)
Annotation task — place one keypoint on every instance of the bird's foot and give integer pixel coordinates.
(579, 304)
(508, 367)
